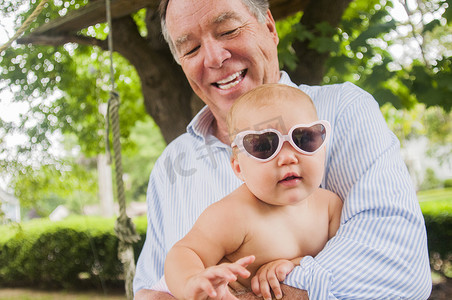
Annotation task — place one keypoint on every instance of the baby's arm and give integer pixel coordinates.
(270, 275)
(211, 282)
(189, 265)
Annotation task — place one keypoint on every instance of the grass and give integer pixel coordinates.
(32, 294)
(435, 195)
(439, 200)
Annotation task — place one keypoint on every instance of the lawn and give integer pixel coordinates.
(439, 200)
(32, 294)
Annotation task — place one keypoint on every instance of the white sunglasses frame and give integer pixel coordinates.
(238, 141)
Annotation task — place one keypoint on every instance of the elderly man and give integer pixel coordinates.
(226, 48)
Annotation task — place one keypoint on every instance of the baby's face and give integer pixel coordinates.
(290, 176)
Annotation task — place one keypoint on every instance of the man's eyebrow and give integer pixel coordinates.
(226, 16)
(218, 20)
(181, 40)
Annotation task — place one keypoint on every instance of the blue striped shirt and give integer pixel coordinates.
(380, 249)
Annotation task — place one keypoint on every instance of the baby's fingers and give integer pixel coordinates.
(264, 287)
(220, 274)
(255, 286)
(202, 289)
(264, 282)
(283, 269)
(239, 267)
(245, 261)
(274, 284)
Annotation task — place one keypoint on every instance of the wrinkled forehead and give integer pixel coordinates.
(183, 17)
(212, 22)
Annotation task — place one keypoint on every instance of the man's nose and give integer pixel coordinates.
(287, 155)
(215, 54)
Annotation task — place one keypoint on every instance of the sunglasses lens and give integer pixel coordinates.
(261, 145)
(309, 139)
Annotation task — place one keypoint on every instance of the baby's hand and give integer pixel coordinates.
(269, 276)
(212, 283)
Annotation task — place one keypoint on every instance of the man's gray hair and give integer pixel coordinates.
(256, 7)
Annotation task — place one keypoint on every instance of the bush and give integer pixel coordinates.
(79, 252)
(82, 252)
(439, 233)
(448, 183)
(436, 206)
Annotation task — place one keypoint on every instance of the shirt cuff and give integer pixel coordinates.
(312, 277)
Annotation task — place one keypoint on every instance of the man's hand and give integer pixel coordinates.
(152, 295)
(289, 293)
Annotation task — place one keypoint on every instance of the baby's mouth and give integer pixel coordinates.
(230, 81)
(289, 178)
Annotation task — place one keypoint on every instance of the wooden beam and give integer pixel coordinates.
(91, 14)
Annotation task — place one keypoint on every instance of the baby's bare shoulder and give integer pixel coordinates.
(325, 197)
(237, 204)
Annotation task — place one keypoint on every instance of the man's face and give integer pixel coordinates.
(223, 50)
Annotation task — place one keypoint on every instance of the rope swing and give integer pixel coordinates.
(124, 227)
(25, 25)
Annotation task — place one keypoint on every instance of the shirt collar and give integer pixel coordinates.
(285, 79)
(201, 125)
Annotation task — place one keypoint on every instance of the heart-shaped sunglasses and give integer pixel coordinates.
(265, 144)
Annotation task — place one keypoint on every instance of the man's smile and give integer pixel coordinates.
(231, 80)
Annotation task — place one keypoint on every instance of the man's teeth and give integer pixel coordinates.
(230, 81)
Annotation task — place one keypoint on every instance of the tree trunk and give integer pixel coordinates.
(311, 66)
(167, 94)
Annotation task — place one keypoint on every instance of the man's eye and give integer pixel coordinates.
(230, 32)
(192, 51)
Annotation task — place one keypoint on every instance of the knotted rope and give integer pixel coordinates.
(25, 25)
(124, 227)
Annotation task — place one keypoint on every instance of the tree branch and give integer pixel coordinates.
(416, 36)
(61, 39)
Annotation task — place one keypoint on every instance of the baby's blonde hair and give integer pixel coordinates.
(263, 95)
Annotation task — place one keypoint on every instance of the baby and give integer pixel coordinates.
(257, 234)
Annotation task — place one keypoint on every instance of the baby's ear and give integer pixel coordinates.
(236, 166)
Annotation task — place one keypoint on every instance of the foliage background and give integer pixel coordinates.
(404, 62)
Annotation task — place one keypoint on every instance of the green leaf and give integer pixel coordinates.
(432, 25)
(448, 12)
(373, 31)
(383, 95)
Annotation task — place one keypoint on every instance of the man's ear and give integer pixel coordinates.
(236, 167)
(271, 25)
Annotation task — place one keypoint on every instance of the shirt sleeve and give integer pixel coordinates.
(380, 249)
(152, 257)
